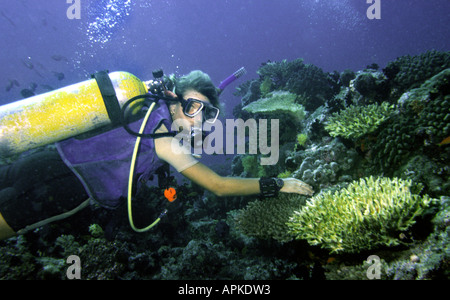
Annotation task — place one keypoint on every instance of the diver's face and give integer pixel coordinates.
(178, 113)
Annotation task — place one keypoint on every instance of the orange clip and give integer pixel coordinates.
(170, 194)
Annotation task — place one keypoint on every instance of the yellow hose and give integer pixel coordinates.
(131, 177)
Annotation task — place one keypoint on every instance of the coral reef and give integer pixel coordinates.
(17, 260)
(427, 259)
(434, 96)
(250, 91)
(356, 121)
(408, 72)
(346, 77)
(424, 259)
(301, 139)
(267, 219)
(365, 215)
(394, 142)
(299, 78)
(278, 103)
(322, 166)
(371, 84)
(207, 237)
(433, 175)
(95, 230)
(423, 120)
(202, 259)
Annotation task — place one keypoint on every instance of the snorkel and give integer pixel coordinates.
(236, 75)
(157, 92)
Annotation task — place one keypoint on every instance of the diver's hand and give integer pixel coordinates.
(293, 185)
(170, 94)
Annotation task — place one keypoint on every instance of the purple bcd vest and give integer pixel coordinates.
(102, 162)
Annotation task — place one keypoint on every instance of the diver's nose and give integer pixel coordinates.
(198, 120)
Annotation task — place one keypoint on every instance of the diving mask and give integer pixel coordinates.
(193, 107)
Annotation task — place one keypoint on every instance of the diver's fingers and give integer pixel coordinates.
(305, 189)
(293, 185)
(170, 94)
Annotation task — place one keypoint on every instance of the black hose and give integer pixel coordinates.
(150, 99)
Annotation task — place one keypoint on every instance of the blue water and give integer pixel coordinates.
(216, 36)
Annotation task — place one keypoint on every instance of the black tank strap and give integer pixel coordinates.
(109, 96)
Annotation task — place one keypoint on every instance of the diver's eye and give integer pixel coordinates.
(193, 107)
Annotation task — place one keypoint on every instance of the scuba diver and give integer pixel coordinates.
(53, 184)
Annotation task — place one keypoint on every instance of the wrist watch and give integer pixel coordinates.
(270, 187)
(279, 182)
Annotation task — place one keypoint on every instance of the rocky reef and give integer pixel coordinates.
(373, 144)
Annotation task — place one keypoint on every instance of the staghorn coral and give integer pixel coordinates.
(365, 215)
(267, 219)
(426, 259)
(356, 121)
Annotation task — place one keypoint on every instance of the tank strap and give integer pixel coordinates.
(109, 96)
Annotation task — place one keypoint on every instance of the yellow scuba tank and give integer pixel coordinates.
(66, 112)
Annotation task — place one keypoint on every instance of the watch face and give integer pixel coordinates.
(280, 182)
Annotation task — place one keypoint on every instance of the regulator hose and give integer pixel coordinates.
(131, 177)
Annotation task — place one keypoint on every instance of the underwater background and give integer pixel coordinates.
(364, 109)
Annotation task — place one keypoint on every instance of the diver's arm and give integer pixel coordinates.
(219, 185)
(202, 175)
(210, 180)
(235, 186)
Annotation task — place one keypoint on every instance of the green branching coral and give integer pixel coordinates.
(367, 214)
(278, 102)
(267, 219)
(301, 139)
(356, 121)
(96, 231)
